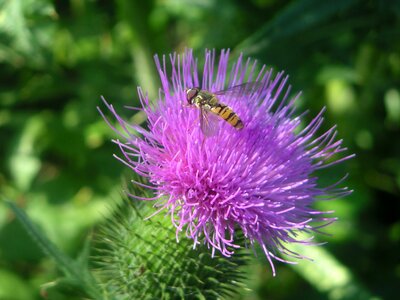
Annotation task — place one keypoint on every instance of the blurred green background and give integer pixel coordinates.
(58, 57)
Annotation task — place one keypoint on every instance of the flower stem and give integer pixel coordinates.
(135, 15)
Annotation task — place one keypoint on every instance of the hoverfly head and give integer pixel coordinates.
(191, 94)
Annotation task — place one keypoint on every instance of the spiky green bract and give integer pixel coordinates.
(140, 259)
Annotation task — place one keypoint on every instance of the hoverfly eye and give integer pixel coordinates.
(190, 94)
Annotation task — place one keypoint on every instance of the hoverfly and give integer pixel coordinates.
(210, 106)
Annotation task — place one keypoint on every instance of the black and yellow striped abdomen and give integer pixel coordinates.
(226, 113)
(209, 102)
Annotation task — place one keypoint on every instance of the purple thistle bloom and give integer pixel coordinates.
(258, 180)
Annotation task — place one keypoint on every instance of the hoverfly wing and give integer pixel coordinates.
(240, 89)
(208, 123)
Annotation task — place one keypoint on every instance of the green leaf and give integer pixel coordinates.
(21, 30)
(24, 162)
(328, 275)
(76, 272)
(291, 21)
(13, 287)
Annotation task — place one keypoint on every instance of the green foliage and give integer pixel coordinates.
(294, 20)
(76, 272)
(58, 57)
(141, 259)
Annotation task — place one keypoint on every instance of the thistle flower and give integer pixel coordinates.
(258, 180)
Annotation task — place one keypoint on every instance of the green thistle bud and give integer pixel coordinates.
(140, 259)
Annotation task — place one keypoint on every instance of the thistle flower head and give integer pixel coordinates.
(258, 180)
